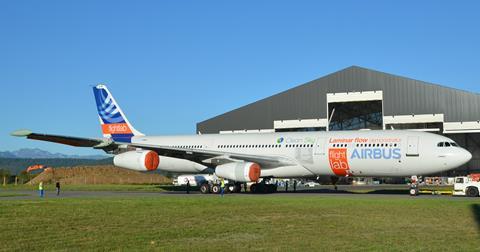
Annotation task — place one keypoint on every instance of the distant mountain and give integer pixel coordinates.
(38, 153)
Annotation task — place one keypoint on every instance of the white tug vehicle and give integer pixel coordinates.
(467, 185)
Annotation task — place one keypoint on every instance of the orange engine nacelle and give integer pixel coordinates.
(140, 160)
(239, 171)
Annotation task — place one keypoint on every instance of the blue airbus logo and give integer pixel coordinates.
(376, 153)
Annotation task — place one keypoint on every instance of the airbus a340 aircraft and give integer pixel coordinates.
(249, 157)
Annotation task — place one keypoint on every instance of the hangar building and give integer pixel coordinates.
(359, 98)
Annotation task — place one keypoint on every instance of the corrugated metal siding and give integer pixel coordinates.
(401, 96)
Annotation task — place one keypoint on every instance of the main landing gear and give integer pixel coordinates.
(263, 187)
(334, 180)
(206, 188)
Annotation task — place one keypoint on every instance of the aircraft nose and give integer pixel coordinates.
(458, 158)
(466, 156)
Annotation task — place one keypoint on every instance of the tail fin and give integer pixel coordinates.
(114, 123)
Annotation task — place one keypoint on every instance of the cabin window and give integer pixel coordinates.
(447, 144)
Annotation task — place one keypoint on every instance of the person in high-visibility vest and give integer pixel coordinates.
(40, 189)
(222, 187)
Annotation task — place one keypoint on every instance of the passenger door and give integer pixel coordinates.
(412, 146)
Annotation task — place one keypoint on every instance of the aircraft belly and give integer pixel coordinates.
(287, 171)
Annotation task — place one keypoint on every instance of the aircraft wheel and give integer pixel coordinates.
(253, 188)
(215, 189)
(237, 188)
(472, 192)
(270, 188)
(205, 188)
(413, 192)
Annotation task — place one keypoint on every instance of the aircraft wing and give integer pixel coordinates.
(196, 155)
(68, 140)
(215, 157)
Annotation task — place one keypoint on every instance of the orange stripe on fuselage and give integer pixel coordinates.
(338, 161)
(116, 128)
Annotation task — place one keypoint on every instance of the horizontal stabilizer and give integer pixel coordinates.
(68, 140)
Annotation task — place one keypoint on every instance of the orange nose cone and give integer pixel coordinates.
(151, 161)
(254, 172)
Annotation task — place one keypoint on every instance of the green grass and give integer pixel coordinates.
(3, 194)
(241, 222)
(90, 187)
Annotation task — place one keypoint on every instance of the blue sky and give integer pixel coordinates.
(171, 64)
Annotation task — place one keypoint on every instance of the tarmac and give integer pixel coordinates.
(364, 191)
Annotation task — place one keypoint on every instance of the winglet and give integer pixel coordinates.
(21, 133)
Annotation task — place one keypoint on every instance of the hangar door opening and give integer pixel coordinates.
(355, 110)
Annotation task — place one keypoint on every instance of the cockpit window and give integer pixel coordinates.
(447, 144)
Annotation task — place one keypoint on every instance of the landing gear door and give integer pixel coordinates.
(319, 146)
(412, 146)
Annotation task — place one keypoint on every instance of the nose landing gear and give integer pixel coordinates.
(414, 186)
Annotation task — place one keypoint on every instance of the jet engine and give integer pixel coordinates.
(139, 160)
(239, 171)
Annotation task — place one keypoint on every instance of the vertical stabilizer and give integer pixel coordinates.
(114, 123)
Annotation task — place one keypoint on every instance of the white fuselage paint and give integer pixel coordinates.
(342, 153)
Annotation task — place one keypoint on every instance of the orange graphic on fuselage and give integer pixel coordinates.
(116, 128)
(338, 161)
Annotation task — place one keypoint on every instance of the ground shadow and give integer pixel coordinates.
(340, 191)
(171, 188)
(370, 190)
(476, 214)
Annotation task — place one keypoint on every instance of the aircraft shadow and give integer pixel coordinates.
(475, 208)
(333, 191)
(176, 189)
(171, 188)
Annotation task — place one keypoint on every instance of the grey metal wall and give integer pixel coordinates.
(401, 96)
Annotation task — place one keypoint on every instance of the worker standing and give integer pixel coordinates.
(295, 186)
(286, 186)
(57, 187)
(40, 189)
(188, 186)
(222, 187)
